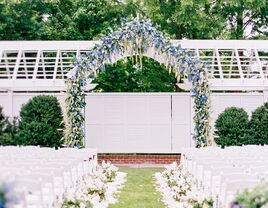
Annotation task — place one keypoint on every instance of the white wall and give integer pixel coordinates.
(141, 122)
(129, 122)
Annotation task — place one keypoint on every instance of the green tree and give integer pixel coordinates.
(20, 19)
(206, 19)
(87, 19)
(240, 14)
(81, 19)
(191, 19)
(58, 19)
(126, 77)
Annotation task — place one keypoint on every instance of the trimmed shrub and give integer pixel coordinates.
(231, 127)
(41, 122)
(258, 126)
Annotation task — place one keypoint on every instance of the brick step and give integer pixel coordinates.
(118, 159)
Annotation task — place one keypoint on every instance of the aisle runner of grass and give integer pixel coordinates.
(139, 190)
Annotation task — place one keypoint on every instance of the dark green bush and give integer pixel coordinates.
(2, 120)
(8, 129)
(258, 126)
(2, 126)
(232, 127)
(41, 122)
(125, 77)
(10, 132)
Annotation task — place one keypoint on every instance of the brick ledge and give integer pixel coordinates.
(138, 158)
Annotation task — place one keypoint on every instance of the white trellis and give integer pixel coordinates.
(42, 65)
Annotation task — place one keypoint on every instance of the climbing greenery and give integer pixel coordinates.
(137, 38)
(124, 77)
(41, 122)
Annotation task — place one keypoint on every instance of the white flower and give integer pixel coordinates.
(179, 189)
(99, 188)
(45, 17)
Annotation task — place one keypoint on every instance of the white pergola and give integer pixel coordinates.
(235, 65)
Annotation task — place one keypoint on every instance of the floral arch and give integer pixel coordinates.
(136, 38)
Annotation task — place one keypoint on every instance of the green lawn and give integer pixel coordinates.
(139, 190)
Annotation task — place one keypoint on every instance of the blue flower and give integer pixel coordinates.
(189, 77)
(2, 203)
(203, 98)
(236, 204)
(194, 92)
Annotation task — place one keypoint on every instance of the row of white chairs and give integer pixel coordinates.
(225, 172)
(42, 177)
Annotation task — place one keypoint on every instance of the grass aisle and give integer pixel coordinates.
(139, 190)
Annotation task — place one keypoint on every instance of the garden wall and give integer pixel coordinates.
(140, 122)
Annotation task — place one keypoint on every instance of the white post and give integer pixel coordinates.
(56, 65)
(219, 62)
(38, 56)
(17, 65)
(231, 65)
(259, 63)
(239, 64)
(213, 64)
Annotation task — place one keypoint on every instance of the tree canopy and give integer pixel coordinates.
(57, 19)
(88, 19)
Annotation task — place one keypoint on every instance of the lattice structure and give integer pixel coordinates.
(43, 65)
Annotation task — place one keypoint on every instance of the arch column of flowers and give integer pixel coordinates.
(135, 38)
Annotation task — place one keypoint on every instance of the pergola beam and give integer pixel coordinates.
(44, 72)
